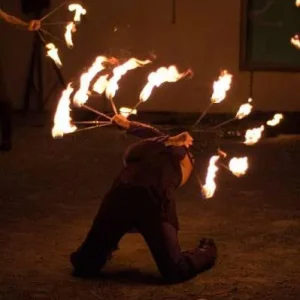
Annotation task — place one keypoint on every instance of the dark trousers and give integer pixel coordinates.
(126, 208)
(5, 113)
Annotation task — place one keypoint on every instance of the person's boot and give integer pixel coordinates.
(208, 246)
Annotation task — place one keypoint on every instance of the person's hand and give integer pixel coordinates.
(121, 121)
(182, 139)
(34, 25)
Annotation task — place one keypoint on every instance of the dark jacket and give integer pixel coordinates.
(149, 164)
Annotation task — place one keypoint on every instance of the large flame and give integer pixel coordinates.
(276, 120)
(62, 119)
(119, 71)
(221, 86)
(155, 79)
(295, 40)
(125, 111)
(101, 84)
(53, 53)
(70, 28)
(82, 95)
(244, 110)
(252, 136)
(298, 3)
(79, 11)
(209, 188)
(238, 166)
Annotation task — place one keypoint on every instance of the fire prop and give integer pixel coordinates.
(53, 53)
(276, 119)
(118, 72)
(62, 119)
(101, 84)
(82, 95)
(238, 166)
(244, 111)
(126, 112)
(79, 11)
(220, 89)
(252, 136)
(63, 124)
(70, 28)
(210, 186)
(156, 79)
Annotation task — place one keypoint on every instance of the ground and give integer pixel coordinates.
(51, 189)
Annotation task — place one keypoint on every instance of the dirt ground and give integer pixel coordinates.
(50, 190)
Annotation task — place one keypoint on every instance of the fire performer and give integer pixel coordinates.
(5, 104)
(141, 198)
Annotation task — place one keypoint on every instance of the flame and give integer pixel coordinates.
(276, 119)
(101, 84)
(221, 86)
(125, 111)
(62, 115)
(82, 94)
(70, 28)
(119, 71)
(295, 40)
(79, 10)
(238, 166)
(252, 136)
(244, 110)
(155, 79)
(298, 3)
(209, 188)
(53, 53)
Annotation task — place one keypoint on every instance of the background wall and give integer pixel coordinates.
(205, 38)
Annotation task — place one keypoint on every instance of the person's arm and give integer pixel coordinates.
(146, 131)
(137, 129)
(32, 25)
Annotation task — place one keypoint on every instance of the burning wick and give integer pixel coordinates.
(276, 119)
(101, 84)
(79, 10)
(125, 111)
(244, 110)
(82, 95)
(70, 28)
(118, 72)
(62, 119)
(295, 40)
(221, 86)
(209, 188)
(121, 70)
(53, 53)
(155, 79)
(238, 166)
(252, 136)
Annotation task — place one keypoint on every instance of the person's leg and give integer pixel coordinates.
(173, 264)
(102, 239)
